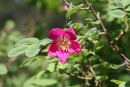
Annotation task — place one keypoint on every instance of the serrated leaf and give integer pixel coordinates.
(118, 13)
(116, 81)
(17, 51)
(45, 41)
(115, 4)
(3, 69)
(27, 41)
(73, 10)
(32, 50)
(91, 31)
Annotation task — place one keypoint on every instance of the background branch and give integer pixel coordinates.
(115, 46)
(80, 77)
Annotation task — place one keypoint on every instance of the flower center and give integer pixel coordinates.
(63, 44)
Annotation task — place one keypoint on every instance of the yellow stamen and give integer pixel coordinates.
(63, 44)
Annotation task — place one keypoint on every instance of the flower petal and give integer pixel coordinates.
(62, 56)
(71, 33)
(75, 47)
(52, 49)
(56, 33)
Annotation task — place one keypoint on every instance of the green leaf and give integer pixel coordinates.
(51, 67)
(44, 82)
(125, 3)
(3, 69)
(27, 41)
(127, 9)
(115, 4)
(39, 82)
(61, 66)
(95, 22)
(118, 13)
(125, 84)
(32, 60)
(27, 62)
(32, 50)
(76, 26)
(73, 10)
(17, 51)
(116, 81)
(45, 41)
(91, 31)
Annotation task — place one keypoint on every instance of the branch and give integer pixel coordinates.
(119, 36)
(94, 75)
(10, 61)
(115, 46)
(80, 77)
(127, 26)
(83, 73)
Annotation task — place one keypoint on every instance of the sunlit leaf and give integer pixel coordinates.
(51, 67)
(73, 10)
(27, 41)
(61, 66)
(3, 69)
(17, 51)
(116, 81)
(125, 84)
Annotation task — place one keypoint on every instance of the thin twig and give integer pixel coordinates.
(125, 30)
(10, 61)
(119, 36)
(127, 25)
(80, 77)
(117, 67)
(83, 73)
(66, 2)
(94, 75)
(97, 16)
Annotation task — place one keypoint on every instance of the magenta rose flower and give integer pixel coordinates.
(63, 43)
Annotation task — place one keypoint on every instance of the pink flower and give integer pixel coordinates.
(63, 43)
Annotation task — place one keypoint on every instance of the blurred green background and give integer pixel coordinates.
(20, 19)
